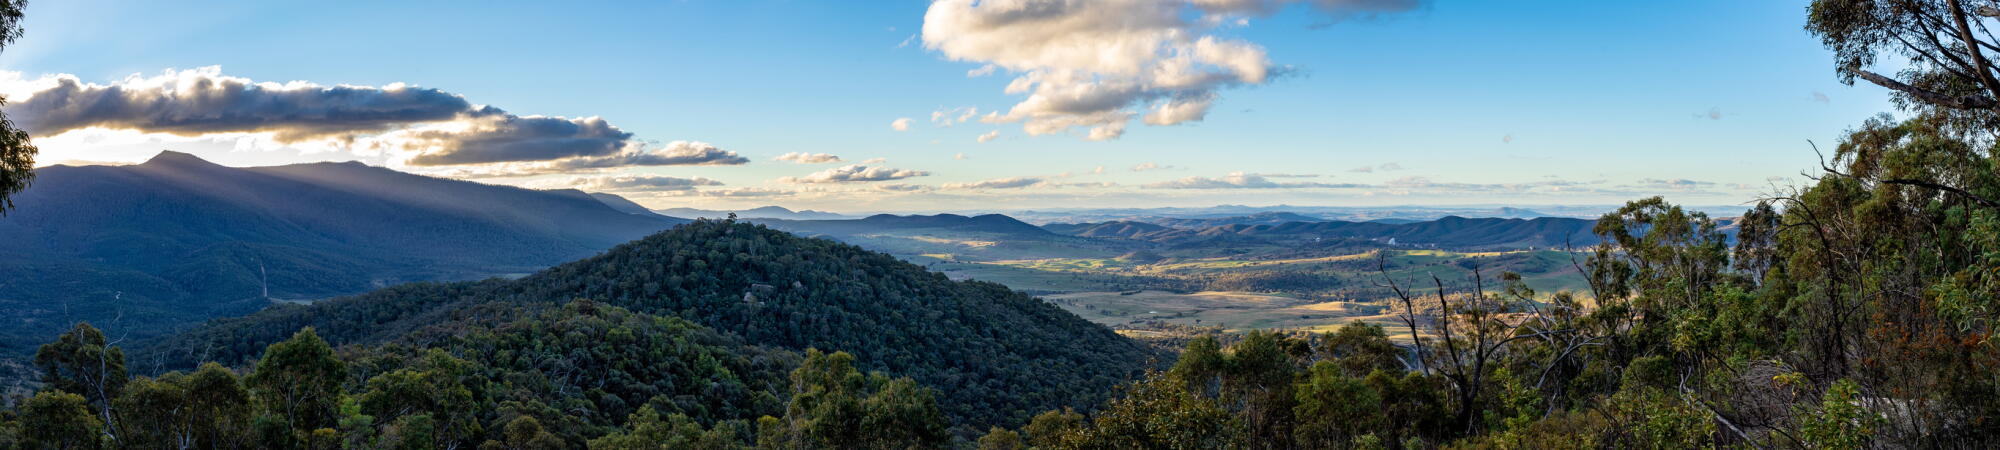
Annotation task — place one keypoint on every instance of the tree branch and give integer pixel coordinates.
(1979, 64)
(1927, 96)
(1961, 192)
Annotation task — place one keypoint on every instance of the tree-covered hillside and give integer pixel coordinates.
(997, 356)
(152, 248)
(508, 376)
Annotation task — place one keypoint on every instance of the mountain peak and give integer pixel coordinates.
(174, 158)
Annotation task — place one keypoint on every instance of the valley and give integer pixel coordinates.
(1000, 225)
(1193, 276)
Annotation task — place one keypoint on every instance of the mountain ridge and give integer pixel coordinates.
(178, 239)
(1449, 231)
(761, 212)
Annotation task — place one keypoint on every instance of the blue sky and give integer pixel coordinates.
(1475, 102)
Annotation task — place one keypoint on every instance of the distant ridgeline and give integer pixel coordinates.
(151, 248)
(1449, 232)
(996, 356)
(995, 224)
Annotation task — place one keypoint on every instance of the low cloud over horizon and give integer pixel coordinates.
(855, 173)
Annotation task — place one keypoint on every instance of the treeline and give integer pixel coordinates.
(1856, 311)
(1801, 335)
(583, 375)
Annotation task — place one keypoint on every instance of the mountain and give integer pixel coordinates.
(1123, 229)
(1448, 232)
(985, 223)
(622, 204)
(145, 249)
(765, 212)
(996, 355)
(1262, 218)
(1225, 214)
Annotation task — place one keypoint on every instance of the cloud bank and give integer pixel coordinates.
(645, 183)
(203, 101)
(999, 183)
(421, 126)
(854, 173)
(808, 158)
(1240, 180)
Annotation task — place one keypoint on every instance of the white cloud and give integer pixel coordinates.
(960, 156)
(748, 192)
(989, 136)
(903, 187)
(901, 124)
(808, 158)
(640, 183)
(676, 153)
(948, 117)
(409, 125)
(1178, 110)
(1674, 184)
(999, 183)
(855, 173)
(1240, 180)
(1145, 166)
(1097, 64)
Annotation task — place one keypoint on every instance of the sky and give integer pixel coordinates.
(911, 105)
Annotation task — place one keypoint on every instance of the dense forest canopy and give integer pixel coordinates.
(997, 356)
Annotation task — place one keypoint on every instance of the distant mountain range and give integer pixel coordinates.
(986, 223)
(1449, 232)
(1294, 213)
(148, 248)
(1262, 218)
(615, 202)
(766, 212)
(1387, 214)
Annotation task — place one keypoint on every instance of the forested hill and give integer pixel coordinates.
(997, 356)
(154, 247)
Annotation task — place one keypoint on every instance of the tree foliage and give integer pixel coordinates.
(17, 153)
(994, 355)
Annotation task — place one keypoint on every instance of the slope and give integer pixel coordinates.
(996, 355)
(146, 249)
